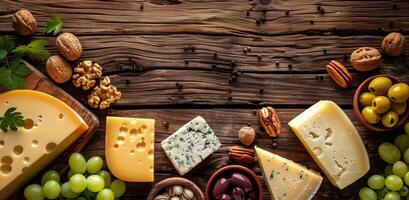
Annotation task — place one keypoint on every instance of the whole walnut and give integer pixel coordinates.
(58, 69)
(24, 22)
(394, 44)
(69, 46)
(365, 59)
(85, 74)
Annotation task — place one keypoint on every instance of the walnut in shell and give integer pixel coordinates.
(85, 74)
(365, 59)
(58, 69)
(394, 44)
(103, 95)
(69, 46)
(24, 22)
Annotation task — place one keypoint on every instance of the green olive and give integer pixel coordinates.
(365, 99)
(370, 115)
(381, 104)
(399, 92)
(390, 119)
(380, 85)
(399, 108)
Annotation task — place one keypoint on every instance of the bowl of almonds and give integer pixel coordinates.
(175, 188)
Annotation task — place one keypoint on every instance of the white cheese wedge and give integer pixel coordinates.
(333, 141)
(287, 180)
(50, 127)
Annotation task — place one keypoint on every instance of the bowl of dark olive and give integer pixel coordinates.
(380, 103)
(234, 182)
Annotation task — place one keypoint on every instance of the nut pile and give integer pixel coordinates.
(103, 95)
(237, 186)
(176, 192)
(85, 74)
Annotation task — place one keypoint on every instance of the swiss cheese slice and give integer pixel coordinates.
(129, 148)
(287, 180)
(50, 127)
(333, 141)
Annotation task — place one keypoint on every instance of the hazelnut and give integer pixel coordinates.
(394, 44)
(247, 135)
(58, 69)
(69, 46)
(24, 22)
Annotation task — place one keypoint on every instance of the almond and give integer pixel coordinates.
(339, 73)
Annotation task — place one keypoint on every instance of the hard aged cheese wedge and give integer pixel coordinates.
(334, 143)
(287, 180)
(50, 127)
(190, 145)
(129, 148)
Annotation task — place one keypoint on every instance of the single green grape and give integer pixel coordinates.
(400, 168)
(50, 175)
(95, 183)
(393, 182)
(34, 192)
(106, 176)
(51, 189)
(388, 170)
(381, 193)
(78, 183)
(66, 192)
(389, 152)
(118, 187)
(407, 128)
(376, 182)
(404, 191)
(406, 178)
(105, 194)
(392, 195)
(402, 142)
(77, 163)
(367, 194)
(94, 164)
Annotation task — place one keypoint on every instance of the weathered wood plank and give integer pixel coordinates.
(215, 17)
(226, 123)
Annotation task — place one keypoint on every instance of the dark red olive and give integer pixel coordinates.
(225, 197)
(238, 193)
(251, 196)
(242, 181)
(221, 187)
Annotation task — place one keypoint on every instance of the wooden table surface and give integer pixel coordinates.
(142, 50)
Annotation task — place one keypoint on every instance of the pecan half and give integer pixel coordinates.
(269, 120)
(242, 154)
(339, 73)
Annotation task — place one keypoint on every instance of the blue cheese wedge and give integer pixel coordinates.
(190, 145)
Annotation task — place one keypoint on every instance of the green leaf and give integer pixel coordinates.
(54, 25)
(35, 50)
(16, 61)
(12, 78)
(11, 120)
(3, 54)
(6, 43)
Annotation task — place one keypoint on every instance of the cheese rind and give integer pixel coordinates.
(190, 145)
(130, 148)
(287, 180)
(51, 126)
(333, 142)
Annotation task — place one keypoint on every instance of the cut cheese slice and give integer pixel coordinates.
(129, 148)
(333, 141)
(287, 180)
(50, 127)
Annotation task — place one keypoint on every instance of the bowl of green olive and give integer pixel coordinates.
(380, 103)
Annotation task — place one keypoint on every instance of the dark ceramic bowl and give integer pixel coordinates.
(160, 187)
(226, 172)
(363, 87)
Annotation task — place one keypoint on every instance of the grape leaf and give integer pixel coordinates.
(54, 25)
(12, 77)
(6, 45)
(11, 120)
(35, 50)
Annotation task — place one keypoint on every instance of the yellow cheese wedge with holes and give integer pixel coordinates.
(50, 127)
(129, 148)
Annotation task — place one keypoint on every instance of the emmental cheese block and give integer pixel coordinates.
(287, 180)
(129, 148)
(50, 127)
(333, 142)
(190, 145)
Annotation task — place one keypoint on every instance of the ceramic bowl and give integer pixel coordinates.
(160, 187)
(226, 172)
(363, 87)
